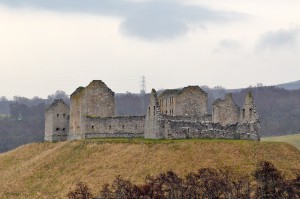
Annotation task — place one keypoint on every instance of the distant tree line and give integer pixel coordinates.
(266, 182)
(22, 120)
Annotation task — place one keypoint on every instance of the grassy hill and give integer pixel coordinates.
(292, 139)
(50, 170)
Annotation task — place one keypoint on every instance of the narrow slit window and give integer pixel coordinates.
(153, 110)
(57, 115)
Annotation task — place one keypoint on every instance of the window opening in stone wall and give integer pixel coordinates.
(153, 110)
(109, 127)
(243, 113)
(123, 126)
(149, 111)
(170, 100)
(64, 129)
(57, 129)
(57, 115)
(64, 115)
(93, 127)
(250, 112)
(135, 126)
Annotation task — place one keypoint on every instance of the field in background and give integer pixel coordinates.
(51, 170)
(291, 139)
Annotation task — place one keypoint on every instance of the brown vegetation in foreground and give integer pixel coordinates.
(268, 183)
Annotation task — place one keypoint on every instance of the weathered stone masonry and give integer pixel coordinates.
(117, 126)
(224, 123)
(189, 101)
(225, 111)
(175, 114)
(57, 121)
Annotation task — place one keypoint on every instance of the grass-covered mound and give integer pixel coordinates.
(50, 170)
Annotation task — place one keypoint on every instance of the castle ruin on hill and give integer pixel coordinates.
(174, 114)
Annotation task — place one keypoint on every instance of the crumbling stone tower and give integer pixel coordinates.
(249, 111)
(249, 124)
(225, 112)
(153, 122)
(95, 100)
(190, 101)
(57, 121)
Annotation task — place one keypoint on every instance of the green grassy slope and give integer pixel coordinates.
(292, 139)
(50, 170)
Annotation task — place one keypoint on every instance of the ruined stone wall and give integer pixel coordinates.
(204, 118)
(76, 99)
(95, 100)
(57, 121)
(248, 130)
(187, 129)
(98, 100)
(191, 101)
(175, 129)
(49, 127)
(167, 101)
(225, 111)
(249, 111)
(118, 126)
(153, 122)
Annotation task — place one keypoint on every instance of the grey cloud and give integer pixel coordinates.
(152, 19)
(227, 45)
(277, 40)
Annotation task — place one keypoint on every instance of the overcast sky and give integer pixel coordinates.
(54, 45)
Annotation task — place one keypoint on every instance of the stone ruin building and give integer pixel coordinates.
(174, 114)
(57, 121)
